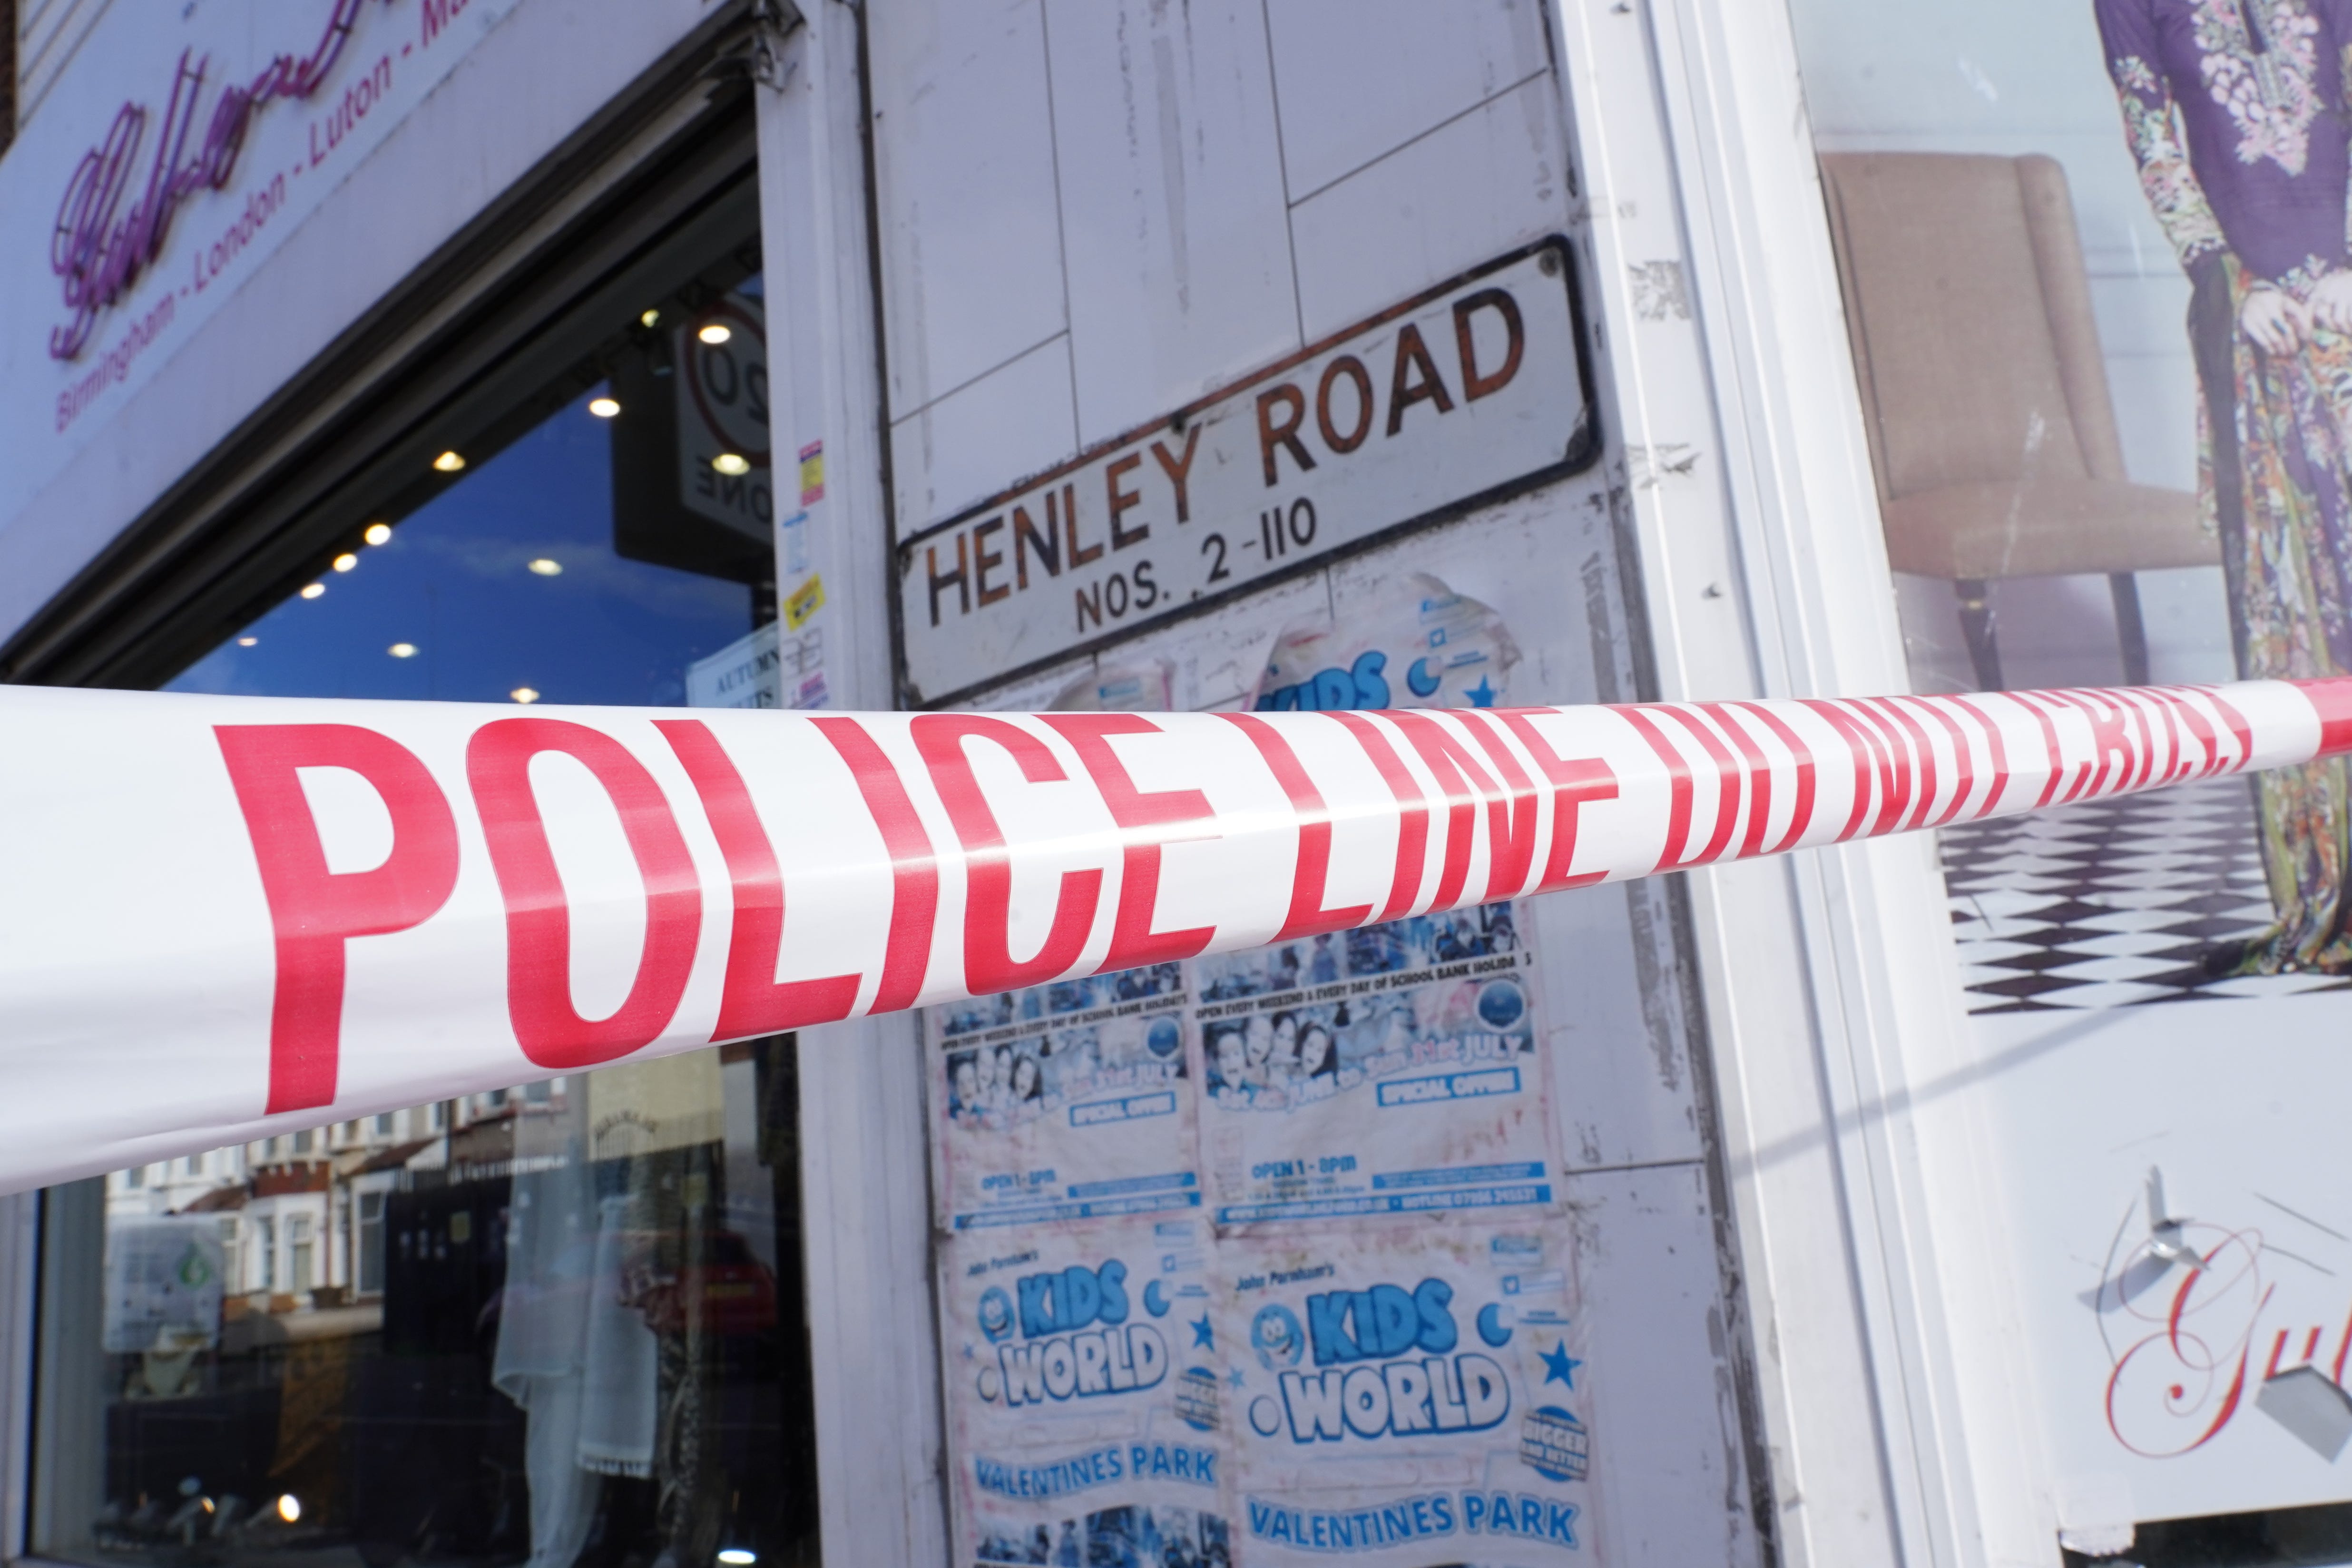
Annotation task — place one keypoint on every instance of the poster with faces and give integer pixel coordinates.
(1387, 1070)
(1086, 1424)
(1065, 1103)
(1405, 1395)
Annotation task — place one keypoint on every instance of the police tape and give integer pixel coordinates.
(224, 916)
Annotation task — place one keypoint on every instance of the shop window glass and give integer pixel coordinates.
(561, 1324)
(2099, 295)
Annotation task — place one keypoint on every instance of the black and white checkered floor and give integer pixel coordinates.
(2112, 903)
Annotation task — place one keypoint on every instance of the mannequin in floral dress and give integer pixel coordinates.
(2235, 110)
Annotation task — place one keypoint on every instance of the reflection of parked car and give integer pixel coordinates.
(734, 1291)
(726, 1283)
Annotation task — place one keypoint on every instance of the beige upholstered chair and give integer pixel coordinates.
(1985, 394)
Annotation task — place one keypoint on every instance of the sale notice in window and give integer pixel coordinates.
(1475, 389)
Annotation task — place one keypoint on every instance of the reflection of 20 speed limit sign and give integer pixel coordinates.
(727, 381)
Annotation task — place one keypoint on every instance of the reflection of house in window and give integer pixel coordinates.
(301, 1249)
(371, 1243)
(265, 1231)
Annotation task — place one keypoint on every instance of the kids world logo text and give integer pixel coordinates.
(1420, 1385)
(1075, 1340)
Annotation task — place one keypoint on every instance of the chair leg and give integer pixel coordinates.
(1976, 625)
(2130, 628)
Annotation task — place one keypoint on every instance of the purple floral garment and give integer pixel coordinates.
(2234, 111)
(2259, 157)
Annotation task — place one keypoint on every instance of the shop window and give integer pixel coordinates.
(572, 1318)
(2096, 284)
(563, 1323)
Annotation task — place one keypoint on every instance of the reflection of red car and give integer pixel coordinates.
(732, 1288)
(733, 1291)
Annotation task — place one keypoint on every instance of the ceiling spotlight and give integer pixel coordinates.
(731, 464)
(715, 332)
(290, 1507)
(401, 650)
(649, 318)
(346, 561)
(449, 462)
(546, 568)
(524, 695)
(603, 408)
(737, 1556)
(246, 642)
(313, 590)
(377, 532)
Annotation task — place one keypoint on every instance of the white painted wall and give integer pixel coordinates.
(1093, 213)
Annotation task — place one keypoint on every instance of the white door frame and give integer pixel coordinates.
(1831, 980)
(865, 1184)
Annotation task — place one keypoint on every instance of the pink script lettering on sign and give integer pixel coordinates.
(100, 247)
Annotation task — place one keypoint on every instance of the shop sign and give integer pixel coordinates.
(1458, 396)
(175, 156)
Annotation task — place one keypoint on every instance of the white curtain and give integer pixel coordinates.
(577, 1359)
